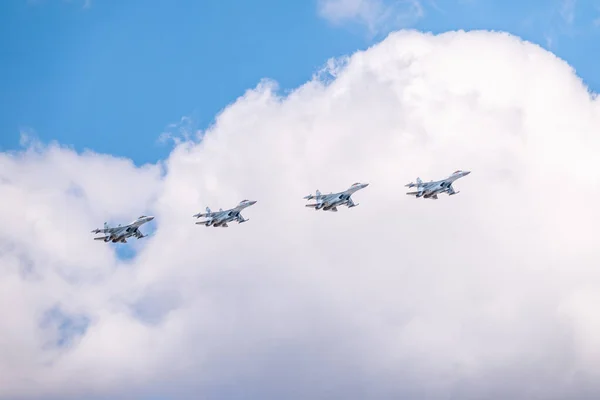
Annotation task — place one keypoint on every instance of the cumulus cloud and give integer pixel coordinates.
(377, 15)
(487, 294)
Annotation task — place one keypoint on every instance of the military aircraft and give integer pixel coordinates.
(330, 202)
(431, 189)
(121, 233)
(221, 218)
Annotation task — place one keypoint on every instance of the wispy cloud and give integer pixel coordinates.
(177, 132)
(376, 15)
(567, 11)
(549, 40)
(555, 21)
(596, 21)
(85, 3)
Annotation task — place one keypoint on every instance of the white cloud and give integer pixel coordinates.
(377, 15)
(488, 293)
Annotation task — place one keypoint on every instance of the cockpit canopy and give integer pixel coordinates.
(142, 216)
(458, 171)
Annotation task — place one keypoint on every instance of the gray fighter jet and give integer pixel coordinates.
(221, 218)
(431, 189)
(121, 233)
(330, 202)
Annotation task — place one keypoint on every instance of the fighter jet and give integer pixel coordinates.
(221, 218)
(121, 233)
(431, 189)
(330, 202)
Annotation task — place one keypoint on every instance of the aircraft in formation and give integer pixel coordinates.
(330, 202)
(430, 190)
(325, 202)
(221, 218)
(121, 233)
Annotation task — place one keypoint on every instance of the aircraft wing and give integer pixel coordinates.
(218, 215)
(212, 214)
(207, 215)
(138, 234)
(107, 230)
(118, 230)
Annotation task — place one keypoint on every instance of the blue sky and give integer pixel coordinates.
(111, 76)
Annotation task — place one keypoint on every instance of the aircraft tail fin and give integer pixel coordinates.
(105, 225)
(419, 181)
(208, 210)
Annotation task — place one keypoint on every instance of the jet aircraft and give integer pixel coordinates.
(330, 202)
(431, 189)
(221, 218)
(121, 233)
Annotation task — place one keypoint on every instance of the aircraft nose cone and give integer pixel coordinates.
(467, 172)
(150, 218)
(253, 202)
